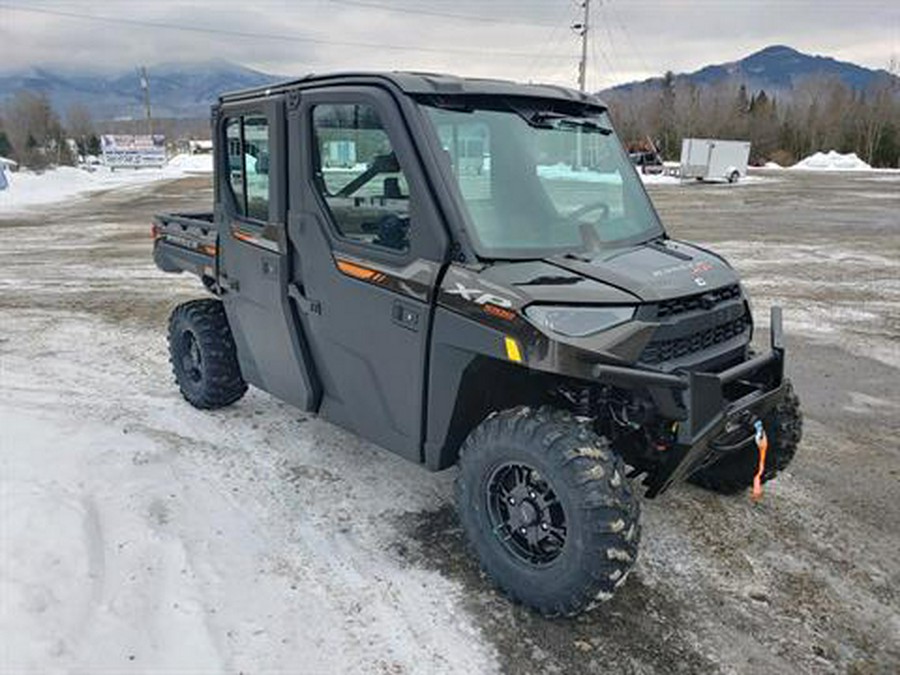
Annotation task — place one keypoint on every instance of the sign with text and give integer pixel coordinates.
(120, 151)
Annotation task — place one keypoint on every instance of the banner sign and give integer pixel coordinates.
(133, 151)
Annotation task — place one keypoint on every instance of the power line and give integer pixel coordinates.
(446, 15)
(268, 36)
(613, 12)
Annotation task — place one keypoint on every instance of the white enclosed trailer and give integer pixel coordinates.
(714, 159)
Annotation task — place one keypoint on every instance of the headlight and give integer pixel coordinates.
(578, 321)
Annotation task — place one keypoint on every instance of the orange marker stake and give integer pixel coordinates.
(762, 444)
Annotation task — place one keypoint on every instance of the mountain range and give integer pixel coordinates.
(776, 69)
(179, 90)
(186, 90)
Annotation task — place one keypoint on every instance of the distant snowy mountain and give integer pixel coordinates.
(184, 90)
(776, 68)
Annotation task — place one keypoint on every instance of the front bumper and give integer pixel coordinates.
(706, 405)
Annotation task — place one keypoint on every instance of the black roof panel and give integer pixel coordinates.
(419, 83)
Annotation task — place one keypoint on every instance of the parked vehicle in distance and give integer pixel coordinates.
(647, 162)
(714, 159)
(469, 272)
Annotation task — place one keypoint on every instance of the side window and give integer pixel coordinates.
(359, 176)
(248, 164)
(236, 163)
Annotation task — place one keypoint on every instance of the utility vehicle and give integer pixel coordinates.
(469, 272)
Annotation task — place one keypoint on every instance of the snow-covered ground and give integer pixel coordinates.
(138, 535)
(28, 189)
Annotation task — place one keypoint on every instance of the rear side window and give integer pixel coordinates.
(247, 138)
(359, 177)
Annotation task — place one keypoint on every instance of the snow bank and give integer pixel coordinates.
(28, 189)
(832, 161)
(563, 171)
(659, 179)
(772, 165)
(192, 163)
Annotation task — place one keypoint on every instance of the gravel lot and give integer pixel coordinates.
(140, 534)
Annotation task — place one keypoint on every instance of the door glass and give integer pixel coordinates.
(359, 177)
(256, 166)
(235, 163)
(248, 165)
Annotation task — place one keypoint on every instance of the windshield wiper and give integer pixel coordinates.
(585, 124)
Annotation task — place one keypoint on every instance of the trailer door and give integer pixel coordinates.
(251, 202)
(371, 245)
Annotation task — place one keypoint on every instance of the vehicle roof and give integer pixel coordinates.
(419, 83)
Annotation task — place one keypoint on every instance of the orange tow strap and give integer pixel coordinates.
(762, 444)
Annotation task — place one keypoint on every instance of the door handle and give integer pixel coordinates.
(305, 305)
(230, 285)
(404, 315)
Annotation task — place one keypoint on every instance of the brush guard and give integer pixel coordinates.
(708, 406)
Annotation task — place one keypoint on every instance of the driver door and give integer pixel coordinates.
(370, 246)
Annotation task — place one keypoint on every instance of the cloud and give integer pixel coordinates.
(518, 39)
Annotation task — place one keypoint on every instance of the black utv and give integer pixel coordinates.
(470, 272)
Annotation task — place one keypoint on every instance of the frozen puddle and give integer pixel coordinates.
(845, 297)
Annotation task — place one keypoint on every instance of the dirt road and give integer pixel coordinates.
(139, 533)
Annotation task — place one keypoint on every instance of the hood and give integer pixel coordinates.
(654, 271)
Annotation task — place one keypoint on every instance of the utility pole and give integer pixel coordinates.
(145, 85)
(582, 29)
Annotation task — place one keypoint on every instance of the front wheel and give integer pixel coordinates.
(733, 177)
(546, 506)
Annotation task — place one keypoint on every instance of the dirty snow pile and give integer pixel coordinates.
(832, 161)
(29, 189)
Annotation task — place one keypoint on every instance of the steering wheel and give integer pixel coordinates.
(391, 231)
(588, 208)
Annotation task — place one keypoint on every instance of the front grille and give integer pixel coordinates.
(689, 303)
(695, 323)
(658, 351)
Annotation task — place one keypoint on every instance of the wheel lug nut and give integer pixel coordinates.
(545, 526)
(512, 500)
(532, 495)
(522, 530)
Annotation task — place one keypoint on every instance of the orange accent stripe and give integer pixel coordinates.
(243, 236)
(499, 312)
(358, 271)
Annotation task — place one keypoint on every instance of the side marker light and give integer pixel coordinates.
(513, 353)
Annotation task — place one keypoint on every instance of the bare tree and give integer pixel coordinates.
(35, 131)
(80, 125)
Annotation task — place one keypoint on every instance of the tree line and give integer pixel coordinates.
(36, 136)
(818, 114)
(33, 134)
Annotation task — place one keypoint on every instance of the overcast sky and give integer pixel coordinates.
(519, 39)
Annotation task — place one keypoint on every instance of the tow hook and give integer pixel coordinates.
(762, 445)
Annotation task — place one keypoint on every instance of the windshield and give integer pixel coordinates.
(537, 181)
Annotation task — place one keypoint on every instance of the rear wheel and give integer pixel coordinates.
(734, 177)
(734, 472)
(546, 506)
(203, 355)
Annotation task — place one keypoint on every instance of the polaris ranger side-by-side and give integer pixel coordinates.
(470, 272)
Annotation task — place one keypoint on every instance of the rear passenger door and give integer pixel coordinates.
(251, 204)
(371, 246)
